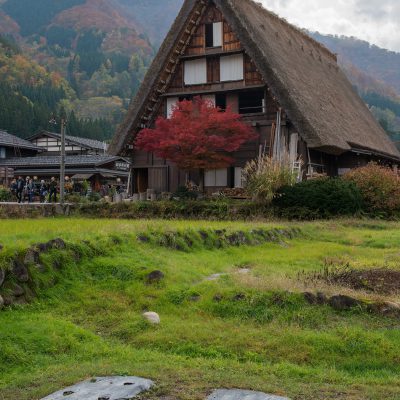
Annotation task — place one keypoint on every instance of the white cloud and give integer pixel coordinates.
(377, 21)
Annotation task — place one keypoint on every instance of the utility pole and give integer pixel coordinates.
(62, 164)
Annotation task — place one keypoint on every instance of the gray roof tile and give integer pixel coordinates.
(8, 140)
(43, 161)
(90, 143)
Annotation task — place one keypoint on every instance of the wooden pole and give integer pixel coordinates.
(62, 164)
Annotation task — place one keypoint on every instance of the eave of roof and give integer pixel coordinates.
(45, 161)
(9, 140)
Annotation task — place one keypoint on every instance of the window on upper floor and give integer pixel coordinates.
(2, 152)
(232, 68)
(213, 34)
(196, 72)
(251, 102)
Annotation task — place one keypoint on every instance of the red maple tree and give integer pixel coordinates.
(197, 136)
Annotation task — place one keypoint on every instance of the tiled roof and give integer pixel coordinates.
(8, 140)
(84, 142)
(46, 161)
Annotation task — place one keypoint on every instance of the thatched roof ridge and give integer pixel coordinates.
(301, 73)
(297, 30)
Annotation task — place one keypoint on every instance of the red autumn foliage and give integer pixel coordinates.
(197, 135)
(379, 186)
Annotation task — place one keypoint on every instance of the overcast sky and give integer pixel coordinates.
(377, 21)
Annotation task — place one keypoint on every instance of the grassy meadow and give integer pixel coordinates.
(248, 327)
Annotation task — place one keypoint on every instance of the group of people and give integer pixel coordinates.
(27, 189)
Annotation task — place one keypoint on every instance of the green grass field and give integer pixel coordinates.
(244, 330)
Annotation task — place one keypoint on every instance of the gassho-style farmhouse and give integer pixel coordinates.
(285, 84)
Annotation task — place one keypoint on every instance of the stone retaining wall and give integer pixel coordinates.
(15, 210)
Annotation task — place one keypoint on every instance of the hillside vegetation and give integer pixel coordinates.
(231, 316)
(103, 48)
(375, 73)
(93, 45)
(30, 96)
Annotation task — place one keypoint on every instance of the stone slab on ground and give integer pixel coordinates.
(105, 388)
(224, 394)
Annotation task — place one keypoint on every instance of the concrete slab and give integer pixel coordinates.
(224, 394)
(105, 388)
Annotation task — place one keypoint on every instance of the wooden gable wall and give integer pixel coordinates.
(197, 48)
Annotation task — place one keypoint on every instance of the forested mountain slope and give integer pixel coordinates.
(100, 50)
(30, 96)
(93, 44)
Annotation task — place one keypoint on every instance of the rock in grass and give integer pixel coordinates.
(18, 291)
(58, 243)
(1, 302)
(313, 299)
(155, 277)
(152, 317)
(104, 388)
(242, 395)
(385, 308)
(31, 257)
(389, 306)
(321, 298)
(343, 303)
(143, 238)
(239, 297)
(218, 298)
(310, 298)
(20, 271)
(2, 276)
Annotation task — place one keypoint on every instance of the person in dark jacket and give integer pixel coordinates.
(53, 190)
(20, 189)
(30, 189)
(13, 188)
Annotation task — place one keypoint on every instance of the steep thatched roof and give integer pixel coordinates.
(301, 73)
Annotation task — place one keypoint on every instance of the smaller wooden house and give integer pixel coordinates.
(285, 84)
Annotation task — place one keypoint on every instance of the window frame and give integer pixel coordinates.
(188, 63)
(211, 175)
(223, 59)
(212, 31)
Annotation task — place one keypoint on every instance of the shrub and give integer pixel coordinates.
(379, 186)
(94, 196)
(265, 176)
(73, 198)
(183, 193)
(221, 209)
(323, 198)
(5, 195)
